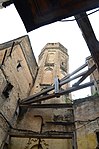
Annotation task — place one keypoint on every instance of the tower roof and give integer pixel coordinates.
(57, 45)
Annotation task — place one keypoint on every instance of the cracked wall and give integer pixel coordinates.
(53, 62)
(86, 114)
(16, 81)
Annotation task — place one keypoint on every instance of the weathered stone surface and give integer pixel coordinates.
(53, 62)
(19, 70)
(17, 76)
(94, 76)
(86, 114)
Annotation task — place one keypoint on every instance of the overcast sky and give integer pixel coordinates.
(67, 33)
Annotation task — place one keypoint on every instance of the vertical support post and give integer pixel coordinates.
(74, 139)
(56, 82)
(89, 36)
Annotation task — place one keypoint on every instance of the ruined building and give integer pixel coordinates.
(36, 109)
(18, 69)
(53, 62)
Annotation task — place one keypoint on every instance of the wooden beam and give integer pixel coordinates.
(62, 105)
(61, 123)
(48, 134)
(85, 75)
(63, 92)
(89, 36)
(63, 81)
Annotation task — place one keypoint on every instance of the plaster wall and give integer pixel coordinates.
(86, 114)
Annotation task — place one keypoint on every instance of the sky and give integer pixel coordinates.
(67, 33)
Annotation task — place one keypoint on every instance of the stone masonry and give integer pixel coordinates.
(20, 78)
(17, 74)
(53, 62)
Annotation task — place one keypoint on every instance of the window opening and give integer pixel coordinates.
(7, 90)
(97, 135)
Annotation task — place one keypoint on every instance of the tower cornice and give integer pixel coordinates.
(57, 45)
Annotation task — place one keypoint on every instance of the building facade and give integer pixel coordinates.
(18, 69)
(53, 63)
(57, 122)
(86, 113)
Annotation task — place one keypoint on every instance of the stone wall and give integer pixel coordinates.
(54, 120)
(86, 114)
(17, 76)
(53, 62)
(18, 80)
(94, 76)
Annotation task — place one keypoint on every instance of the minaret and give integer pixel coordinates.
(53, 62)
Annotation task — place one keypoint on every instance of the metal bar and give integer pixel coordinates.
(63, 92)
(62, 82)
(56, 83)
(86, 75)
(68, 105)
(48, 135)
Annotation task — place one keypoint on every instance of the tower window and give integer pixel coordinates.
(18, 65)
(50, 57)
(7, 90)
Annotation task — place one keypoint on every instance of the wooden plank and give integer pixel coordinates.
(63, 92)
(63, 81)
(85, 75)
(68, 105)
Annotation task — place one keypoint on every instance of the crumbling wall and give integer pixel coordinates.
(16, 81)
(86, 114)
(53, 62)
(44, 121)
(94, 76)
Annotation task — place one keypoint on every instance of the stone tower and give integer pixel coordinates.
(53, 63)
